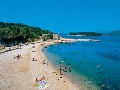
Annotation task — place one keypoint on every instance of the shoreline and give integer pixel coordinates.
(19, 74)
(83, 84)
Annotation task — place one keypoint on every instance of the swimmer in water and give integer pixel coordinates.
(63, 60)
(98, 65)
(76, 66)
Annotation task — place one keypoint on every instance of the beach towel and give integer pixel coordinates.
(43, 82)
(44, 87)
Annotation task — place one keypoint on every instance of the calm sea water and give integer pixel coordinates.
(98, 62)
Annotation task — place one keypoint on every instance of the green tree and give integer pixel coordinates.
(11, 32)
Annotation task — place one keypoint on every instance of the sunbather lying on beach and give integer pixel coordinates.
(44, 62)
(33, 47)
(40, 79)
(9, 49)
(18, 56)
(34, 59)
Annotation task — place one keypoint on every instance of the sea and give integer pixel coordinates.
(94, 65)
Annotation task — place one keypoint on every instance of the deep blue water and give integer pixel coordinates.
(87, 56)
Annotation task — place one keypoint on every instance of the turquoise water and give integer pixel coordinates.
(98, 62)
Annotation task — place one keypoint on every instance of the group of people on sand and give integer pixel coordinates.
(40, 79)
(33, 47)
(44, 62)
(18, 56)
(42, 44)
(62, 69)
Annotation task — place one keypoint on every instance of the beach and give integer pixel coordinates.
(20, 74)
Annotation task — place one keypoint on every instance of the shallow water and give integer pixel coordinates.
(98, 62)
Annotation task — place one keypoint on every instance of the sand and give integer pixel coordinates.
(19, 74)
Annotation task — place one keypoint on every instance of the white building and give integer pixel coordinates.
(56, 37)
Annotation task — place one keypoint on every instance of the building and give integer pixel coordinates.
(56, 37)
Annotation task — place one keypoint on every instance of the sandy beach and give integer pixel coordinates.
(19, 74)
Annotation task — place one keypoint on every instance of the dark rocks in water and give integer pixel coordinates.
(111, 56)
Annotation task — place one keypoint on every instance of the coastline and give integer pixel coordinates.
(79, 80)
(19, 74)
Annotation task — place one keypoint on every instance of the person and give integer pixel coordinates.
(60, 65)
(69, 67)
(33, 59)
(9, 49)
(63, 60)
(76, 66)
(98, 65)
(44, 62)
(33, 47)
(60, 68)
(47, 63)
(18, 56)
(40, 79)
(64, 69)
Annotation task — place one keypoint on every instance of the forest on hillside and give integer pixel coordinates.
(86, 33)
(113, 33)
(19, 32)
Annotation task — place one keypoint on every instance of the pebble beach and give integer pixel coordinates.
(20, 74)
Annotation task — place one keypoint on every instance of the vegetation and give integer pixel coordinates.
(113, 33)
(86, 33)
(19, 32)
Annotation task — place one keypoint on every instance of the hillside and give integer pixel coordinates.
(113, 33)
(85, 33)
(19, 32)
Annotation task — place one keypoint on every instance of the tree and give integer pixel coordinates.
(11, 32)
